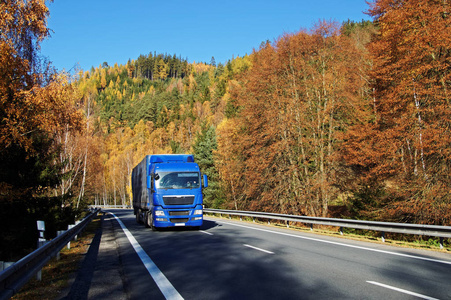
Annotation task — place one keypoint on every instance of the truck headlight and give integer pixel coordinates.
(159, 213)
(198, 212)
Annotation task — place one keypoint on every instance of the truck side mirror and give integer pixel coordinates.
(205, 181)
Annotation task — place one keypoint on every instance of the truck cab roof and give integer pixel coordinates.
(171, 158)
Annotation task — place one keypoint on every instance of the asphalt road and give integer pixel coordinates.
(237, 260)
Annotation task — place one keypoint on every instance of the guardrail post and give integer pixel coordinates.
(341, 230)
(68, 228)
(311, 227)
(41, 242)
(441, 242)
(76, 223)
(288, 224)
(58, 233)
(5, 264)
(383, 237)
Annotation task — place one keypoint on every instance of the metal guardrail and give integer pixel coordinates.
(111, 206)
(17, 275)
(405, 228)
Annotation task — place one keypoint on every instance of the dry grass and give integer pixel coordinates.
(56, 274)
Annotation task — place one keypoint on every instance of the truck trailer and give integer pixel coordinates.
(167, 191)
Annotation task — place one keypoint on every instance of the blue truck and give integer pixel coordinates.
(167, 191)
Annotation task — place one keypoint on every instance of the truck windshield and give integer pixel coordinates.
(177, 180)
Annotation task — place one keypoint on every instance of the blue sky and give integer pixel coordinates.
(87, 33)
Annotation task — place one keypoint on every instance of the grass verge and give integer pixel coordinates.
(56, 274)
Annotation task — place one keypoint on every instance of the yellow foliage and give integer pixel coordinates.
(200, 67)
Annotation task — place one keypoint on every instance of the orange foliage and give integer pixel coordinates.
(411, 138)
(26, 105)
(297, 94)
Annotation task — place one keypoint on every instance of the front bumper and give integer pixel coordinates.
(178, 217)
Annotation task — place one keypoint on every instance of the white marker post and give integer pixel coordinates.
(41, 242)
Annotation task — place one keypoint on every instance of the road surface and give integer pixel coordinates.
(228, 259)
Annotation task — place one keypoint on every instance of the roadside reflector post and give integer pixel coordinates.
(341, 230)
(383, 237)
(441, 242)
(41, 242)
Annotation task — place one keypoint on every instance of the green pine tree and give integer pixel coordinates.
(203, 152)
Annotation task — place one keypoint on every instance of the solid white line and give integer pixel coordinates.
(342, 244)
(162, 282)
(259, 249)
(401, 290)
(206, 232)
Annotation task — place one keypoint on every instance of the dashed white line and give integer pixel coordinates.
(259, 249)
(402, 290)
(341, 244)
(206, 232)
(163, 283)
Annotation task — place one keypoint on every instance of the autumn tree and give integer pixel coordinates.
(230, 163)
(35, 105)
(412, 103)
(23, 27)
(299, 95)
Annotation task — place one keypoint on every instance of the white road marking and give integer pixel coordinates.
(163, 283)
(341, 244)
(259, 249)
(206, 232)
(402, 290)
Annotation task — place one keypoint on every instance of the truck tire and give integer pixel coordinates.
(137, 214)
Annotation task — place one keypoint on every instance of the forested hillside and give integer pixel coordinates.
(344, 120)
(131, 116)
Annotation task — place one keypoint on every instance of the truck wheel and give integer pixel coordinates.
(137, 214)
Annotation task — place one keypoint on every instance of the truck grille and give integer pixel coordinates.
(180, 220)
(179, 213)
(178, 200)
